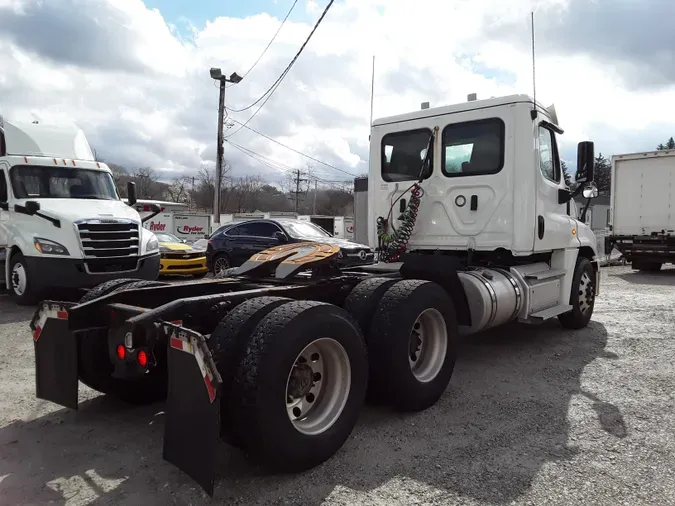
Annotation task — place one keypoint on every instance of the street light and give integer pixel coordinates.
(234, 78)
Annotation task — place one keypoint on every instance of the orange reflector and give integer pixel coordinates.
(121, 352)
(142, 358)
(574, 231)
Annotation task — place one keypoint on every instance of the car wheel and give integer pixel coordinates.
(220, 265)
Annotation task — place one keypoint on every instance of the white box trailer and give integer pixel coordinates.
(187, 226)
(643, 208)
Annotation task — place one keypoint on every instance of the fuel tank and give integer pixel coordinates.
(494, 295)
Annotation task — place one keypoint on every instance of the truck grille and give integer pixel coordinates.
(109, 238)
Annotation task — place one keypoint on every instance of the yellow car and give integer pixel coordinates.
(180, 258)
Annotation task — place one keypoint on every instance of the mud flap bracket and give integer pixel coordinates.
(192, 426)
(55, 354)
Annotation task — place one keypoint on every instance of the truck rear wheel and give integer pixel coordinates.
(301, 385)
(227, 344)
(582, 296)
(95, 368)
(412, 345)
(363, 300)
(105, 289)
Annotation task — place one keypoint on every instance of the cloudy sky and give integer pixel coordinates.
(134, 75)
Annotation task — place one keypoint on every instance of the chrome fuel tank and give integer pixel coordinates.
(494, 296)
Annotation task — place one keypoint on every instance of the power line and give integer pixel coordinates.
(272, 88)
(270, 42)
(243, 125)
(287, 169)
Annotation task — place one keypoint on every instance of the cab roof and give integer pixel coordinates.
(465, 106)
(30, 139)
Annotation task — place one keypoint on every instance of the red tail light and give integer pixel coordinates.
(142, 358)
(121, 352)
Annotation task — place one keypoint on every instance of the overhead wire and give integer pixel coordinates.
(293, 149)
(269, 44)
(270, 91)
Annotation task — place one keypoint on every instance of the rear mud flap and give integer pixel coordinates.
(55, 354)
(191, 430)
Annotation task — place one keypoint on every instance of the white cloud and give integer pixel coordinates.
(143, 94)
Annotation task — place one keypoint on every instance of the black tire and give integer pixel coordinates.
(362, 301)
(105, 289)
(228, 343)
(641, 265)
(584, 290)
(94, 365)
(261, 379)
(220, 257)
(138, 284)
(29, 296)
(392, 379)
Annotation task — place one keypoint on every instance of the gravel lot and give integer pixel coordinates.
(532, 416)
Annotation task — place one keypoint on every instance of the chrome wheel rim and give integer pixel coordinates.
(428, 345)
(220, 266)
(318, 386)
(586, 293)
(19, 279)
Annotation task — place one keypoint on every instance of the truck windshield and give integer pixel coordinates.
(46, 182)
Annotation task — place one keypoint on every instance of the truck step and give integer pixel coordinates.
(551, 312)
(547, 274)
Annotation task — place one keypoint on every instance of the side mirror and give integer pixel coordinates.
(131, 193)
(585, 162)
(590, 192)
(280, 236)
(32, 207)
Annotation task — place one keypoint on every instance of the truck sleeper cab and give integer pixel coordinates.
(62, 223)
(279, 357)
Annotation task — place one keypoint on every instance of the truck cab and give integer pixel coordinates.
(62, 223)
(480, 181)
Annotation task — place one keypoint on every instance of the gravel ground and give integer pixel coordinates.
(532, 416)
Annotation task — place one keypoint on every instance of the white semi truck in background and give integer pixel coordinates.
(642, 208)
(62, 223)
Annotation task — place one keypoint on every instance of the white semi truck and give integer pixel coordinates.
(642, 208)
(469, 210)
(62, 223)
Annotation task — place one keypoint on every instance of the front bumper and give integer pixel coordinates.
(48, 272)
(169, 266)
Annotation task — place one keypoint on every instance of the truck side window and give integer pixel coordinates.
(402, 154)
(473, 148)
(548, 155)
(3, 187)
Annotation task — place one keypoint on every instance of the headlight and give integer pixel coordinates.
(49, 247)
(153, 245)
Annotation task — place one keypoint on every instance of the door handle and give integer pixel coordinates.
(541, 225)
(474, 202)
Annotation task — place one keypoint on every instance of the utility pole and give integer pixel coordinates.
(315, 190)
(298, 180)
(219, 159)
(234, 78)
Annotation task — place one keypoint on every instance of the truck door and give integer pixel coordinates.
(4, 208)
(552, 224)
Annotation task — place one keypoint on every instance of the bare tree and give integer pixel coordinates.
(146, 183)
(179, 189)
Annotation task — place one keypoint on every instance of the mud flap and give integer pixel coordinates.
(55, 354)
(192, 426)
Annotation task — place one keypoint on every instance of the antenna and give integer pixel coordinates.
(372, 92)
(534, 75)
